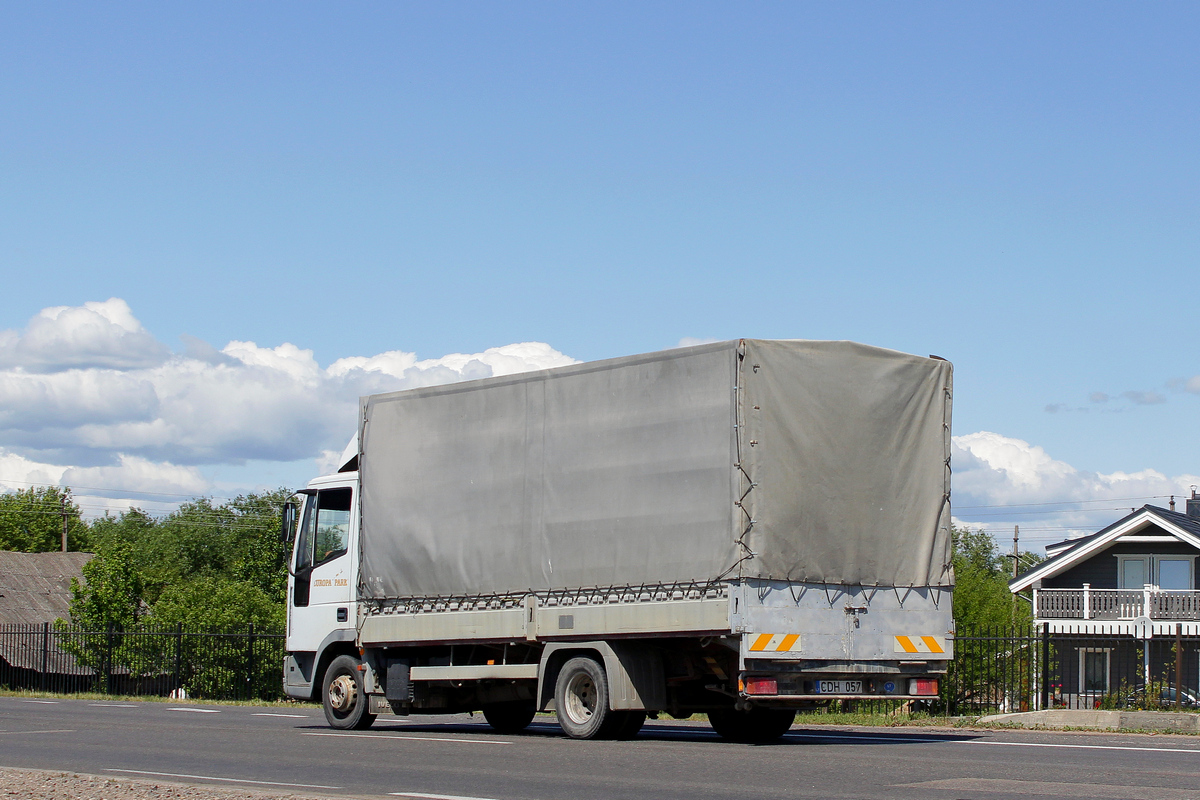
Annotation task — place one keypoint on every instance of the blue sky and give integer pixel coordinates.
(1012, 186)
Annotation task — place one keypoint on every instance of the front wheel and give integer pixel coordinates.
(754, 726)
(343, 698)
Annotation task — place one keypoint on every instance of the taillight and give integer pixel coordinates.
(922, 686)
(761, 686)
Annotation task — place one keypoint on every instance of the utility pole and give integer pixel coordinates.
(64, 522)
(1016, 552)
(1016, 559)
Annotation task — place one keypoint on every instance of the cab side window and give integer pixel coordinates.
(331, 530)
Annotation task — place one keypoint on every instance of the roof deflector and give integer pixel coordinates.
(349, 460)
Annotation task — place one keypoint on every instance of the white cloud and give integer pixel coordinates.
(89, 387)
(18, 472)
(1144, 398)
(94, 335)
(132, 474)
(691, 341)
(34, 401)
(494, 361)
(129, 482)
(1191, 384)
(1023, 485)
(328, 461)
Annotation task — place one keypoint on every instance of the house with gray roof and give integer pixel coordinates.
(1121, 606)
(35, 590)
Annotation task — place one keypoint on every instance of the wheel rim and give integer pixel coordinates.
(580, 698)
(343, 694)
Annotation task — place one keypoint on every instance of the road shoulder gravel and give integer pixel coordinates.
(41, 784)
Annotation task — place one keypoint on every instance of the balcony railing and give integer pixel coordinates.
(1116, 604)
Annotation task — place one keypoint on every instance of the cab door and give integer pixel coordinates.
(319, 590)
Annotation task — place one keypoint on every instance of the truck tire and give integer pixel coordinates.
(754, 726)
(511, 717)
(581, 700)
(343, 696)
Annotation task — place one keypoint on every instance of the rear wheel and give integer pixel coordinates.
(754, 726)
(343, 697)
(581, 699)
(511, 717)
(625, 724)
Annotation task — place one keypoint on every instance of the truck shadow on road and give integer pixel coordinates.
(670, 733)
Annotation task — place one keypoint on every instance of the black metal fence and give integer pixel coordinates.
(1000, 670)
(1101, 671)
(995, 670)
(183, 663)
(1011, 669)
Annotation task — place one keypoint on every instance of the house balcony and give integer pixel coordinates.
(1117, 611)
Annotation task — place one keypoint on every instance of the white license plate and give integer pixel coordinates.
(839, 687)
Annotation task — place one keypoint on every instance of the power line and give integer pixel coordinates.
(236, 523)
(1007, 514)
(117, 491)
(1075, 502)
(212, 513)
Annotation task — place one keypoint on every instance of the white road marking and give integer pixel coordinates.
(295, 716)
(414, 738)
(198, 710)
(914, 740)
(218, 778)
(1005, 787)
(438, 796)
(1193, 751)
(112, 705)
(19, 733)
(47, 702)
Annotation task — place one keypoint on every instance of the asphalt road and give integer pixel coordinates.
(274, 748)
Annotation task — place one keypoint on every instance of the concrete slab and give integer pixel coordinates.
(1101, 720)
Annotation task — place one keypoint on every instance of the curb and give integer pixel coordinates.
(1101, 720)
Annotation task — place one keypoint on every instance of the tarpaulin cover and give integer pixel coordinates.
(648, 470)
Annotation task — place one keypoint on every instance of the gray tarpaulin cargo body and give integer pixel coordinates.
(801, 461)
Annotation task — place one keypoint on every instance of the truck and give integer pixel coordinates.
(739, 529)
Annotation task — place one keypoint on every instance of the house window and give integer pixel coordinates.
(1093, 670)
(1164, 572)
(1133, 572)
(1174, 573)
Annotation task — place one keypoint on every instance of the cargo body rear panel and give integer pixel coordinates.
(869, 642)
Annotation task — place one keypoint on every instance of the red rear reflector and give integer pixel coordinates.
(762, 686)
(922, 686)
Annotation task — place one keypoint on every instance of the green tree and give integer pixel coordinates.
(984, 605)
(260, 554)
(237, 540)
(239, 666)
(110, 595)
(31, 520)
(215, 603)
(982, 573)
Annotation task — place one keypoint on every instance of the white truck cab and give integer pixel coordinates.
(321, 609)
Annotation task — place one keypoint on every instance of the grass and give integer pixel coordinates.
(142, 698)
(918, 720)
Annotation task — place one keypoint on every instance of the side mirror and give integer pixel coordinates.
(288, 529)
